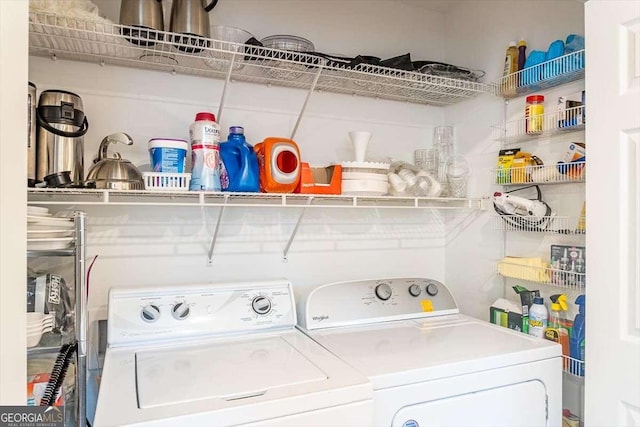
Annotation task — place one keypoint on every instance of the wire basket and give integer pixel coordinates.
(163, 181)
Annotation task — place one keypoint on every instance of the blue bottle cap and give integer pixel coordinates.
(538, 300)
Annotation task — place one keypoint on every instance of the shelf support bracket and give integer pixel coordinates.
(226, 85)
(306, 100)
(295, 230)
(215, 232)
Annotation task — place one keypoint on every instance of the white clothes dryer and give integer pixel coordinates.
(430, 365)
(221, 355)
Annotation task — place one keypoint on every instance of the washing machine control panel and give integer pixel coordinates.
(155, 314)
(366, 301)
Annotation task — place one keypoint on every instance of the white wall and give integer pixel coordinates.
(477, 35)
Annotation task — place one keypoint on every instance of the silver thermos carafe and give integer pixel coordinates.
(61, 128)
(190, 18)
(147, 18)
(31, 135)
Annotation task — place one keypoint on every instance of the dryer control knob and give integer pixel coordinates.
(432, 289)
(383, 291)
(414, 290)
(150, 313)
(180, 311)
(261, 305)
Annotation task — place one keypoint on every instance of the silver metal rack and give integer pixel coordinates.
(103, 43)
(52, 345)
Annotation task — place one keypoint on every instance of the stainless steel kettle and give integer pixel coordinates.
(190, 18)
(114, 173)
(146, 16)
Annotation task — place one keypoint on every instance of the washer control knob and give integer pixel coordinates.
(150, 313)
(180, 311)
(432, 289)
(261, 305)
(383, 291)
(414, 290)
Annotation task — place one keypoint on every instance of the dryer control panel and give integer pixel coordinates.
(375, 300)
(159, 313)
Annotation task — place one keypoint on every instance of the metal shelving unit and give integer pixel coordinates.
(103, 43)
(50, 344)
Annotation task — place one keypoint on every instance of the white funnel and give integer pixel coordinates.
(360, 140)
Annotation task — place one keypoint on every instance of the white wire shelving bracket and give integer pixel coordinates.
(285, 252)
(215, 234)
(555, 72)
(550, 124)
(104, 43)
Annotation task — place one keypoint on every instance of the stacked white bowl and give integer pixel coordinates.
(38, 324)
(360, 178)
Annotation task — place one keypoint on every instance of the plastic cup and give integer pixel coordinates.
(360, 140)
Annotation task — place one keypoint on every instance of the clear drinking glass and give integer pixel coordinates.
(443, 145)
(457, 172)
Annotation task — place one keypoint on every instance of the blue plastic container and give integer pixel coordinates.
(168, 155)
(576, 341)
(239, 171)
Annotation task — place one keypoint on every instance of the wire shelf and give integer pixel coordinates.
(544, 275)
(55, 196)
(555, 72)
(547, 224)
(561, 173)
(550, 124)
(572, 366)
(108, 43)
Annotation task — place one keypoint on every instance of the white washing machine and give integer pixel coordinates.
(221, 355)
(430, 365)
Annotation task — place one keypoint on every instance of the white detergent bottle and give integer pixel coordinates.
(538, 316)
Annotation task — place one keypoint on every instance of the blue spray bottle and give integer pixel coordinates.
(576, 342)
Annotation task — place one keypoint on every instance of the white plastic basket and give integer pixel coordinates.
(164, 181)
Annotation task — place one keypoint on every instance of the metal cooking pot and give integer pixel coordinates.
(114, 173)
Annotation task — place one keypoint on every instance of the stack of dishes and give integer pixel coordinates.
(38, 324)
(365, 178)
(46, 232)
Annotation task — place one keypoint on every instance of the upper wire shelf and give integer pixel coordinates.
(108, 43)
(555, 72)
(200, 198)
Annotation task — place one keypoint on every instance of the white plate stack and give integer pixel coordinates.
(365, 178)
(38, 324)
(46, 232)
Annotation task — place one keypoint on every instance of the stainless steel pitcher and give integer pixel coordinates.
(190, 18)
(147, 16)
(61, 129)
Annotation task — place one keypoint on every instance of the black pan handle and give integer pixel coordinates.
(211, 5)
(42, 122)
